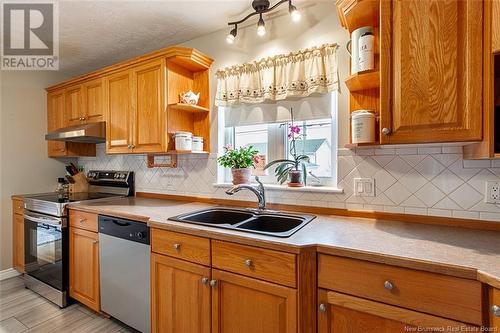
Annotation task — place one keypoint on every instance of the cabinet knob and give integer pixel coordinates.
(213, 283)
(248, 263)
(204, 281)
(322, 307)
(82, 221)
(495, 309)
(386, 131)
(95, 242)
(132, 146)
(388, 285)
(177, 246)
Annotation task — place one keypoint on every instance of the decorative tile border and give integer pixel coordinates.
(430, 180)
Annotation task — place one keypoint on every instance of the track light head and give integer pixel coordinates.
(232, 35)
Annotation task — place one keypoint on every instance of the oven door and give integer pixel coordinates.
(44, 247)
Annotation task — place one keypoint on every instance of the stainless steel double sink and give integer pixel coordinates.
(264, 222)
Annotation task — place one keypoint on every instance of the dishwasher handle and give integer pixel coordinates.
(134, 231)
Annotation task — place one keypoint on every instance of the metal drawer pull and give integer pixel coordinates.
(83, 220)
(204, 281)
(388, 285)
(496, 310)
(248, 263)
(177, 246)
(322, 307)
(213, 283)
(95, 242)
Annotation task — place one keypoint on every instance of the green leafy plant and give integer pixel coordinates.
(298, 162)
(245, 157)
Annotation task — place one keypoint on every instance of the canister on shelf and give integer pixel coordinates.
(363, 126)
(197, 143)
(183, 141)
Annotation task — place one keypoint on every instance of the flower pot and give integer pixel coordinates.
(241, 176)
(295, 178)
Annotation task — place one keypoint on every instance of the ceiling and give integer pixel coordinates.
(94, 34)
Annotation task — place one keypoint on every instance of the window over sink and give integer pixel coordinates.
(265, 127)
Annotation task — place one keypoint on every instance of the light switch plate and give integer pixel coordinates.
(364, 187)
(492, 191)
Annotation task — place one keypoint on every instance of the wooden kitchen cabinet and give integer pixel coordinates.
(340, 313)
(149, 109)
(56, 119)
(495, 29)
(18, 235)
(494, 307)
(84, 267)
(73, 105)
(246, 305)
(118, 87)
(431, 65)
(180, 296)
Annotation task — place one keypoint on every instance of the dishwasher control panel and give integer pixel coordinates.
(125, 229)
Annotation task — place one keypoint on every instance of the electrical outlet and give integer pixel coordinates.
(364, 187)
(492, 191)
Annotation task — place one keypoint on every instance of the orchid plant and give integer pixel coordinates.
(297, 162)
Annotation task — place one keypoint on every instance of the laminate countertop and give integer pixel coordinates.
(461, 252)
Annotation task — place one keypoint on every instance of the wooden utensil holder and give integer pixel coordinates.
(80, 185)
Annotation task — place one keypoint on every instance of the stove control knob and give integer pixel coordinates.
(122, 176)
(141, 234)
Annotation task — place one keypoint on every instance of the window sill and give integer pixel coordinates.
(276, 187)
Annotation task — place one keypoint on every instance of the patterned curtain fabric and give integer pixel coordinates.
(298, 74)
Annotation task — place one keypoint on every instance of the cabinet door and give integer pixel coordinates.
(18, 242)
(93, 101)
(495, 28)
(55, 120)
(436, 71)
(84, 267)
(118, 112)
(149, 107)
(73, 110)
(495, 309)
(340, 313)
(246, 305)
(180, 296)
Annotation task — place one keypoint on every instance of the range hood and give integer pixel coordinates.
(89, 133)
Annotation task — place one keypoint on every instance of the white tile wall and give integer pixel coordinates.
(425, 181)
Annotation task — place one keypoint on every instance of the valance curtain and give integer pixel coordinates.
(298, 74)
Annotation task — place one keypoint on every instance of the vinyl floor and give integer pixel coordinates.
(22, 310)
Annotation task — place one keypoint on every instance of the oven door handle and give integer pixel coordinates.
(54, 221)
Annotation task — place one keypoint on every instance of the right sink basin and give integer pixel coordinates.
(262, 222)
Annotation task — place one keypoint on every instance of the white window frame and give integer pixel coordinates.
(278, 135)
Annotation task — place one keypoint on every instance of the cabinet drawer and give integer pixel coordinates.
(83, 220)
(182, 246)
(437, 294)
(18, 206)
(269, 265)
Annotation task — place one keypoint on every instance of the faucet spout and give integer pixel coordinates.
(258, 191)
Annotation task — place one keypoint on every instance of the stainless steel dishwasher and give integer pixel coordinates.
(124, 252)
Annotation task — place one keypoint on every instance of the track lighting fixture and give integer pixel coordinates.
(261, 7)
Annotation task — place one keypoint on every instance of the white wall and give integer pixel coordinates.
(24, 165)
(319, 25)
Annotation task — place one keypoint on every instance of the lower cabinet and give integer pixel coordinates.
(340, 313)
(495, 309)
(180, 296)
(84, 267)
(189, 297)
(18, 235)
(245, 305)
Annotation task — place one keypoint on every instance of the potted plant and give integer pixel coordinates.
(240, 161)
(293, 169)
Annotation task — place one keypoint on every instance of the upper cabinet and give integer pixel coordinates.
(427, 83)
(140, 101)
(495, 28)
(436, 69)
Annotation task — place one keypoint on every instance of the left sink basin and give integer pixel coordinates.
(216, 216)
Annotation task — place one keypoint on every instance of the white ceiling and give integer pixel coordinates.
(94, 34)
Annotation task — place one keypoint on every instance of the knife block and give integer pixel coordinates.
(80, 185)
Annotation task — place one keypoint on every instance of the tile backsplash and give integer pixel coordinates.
(432, 181)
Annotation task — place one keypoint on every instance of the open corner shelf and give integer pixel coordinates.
(358, 13)
(363, 81)
(188, 107)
